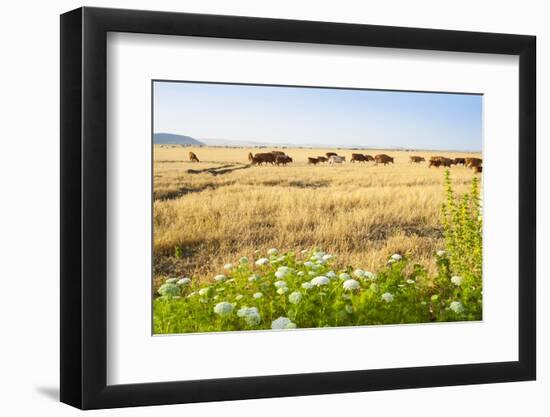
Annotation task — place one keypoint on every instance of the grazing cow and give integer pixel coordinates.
(335, 159)
(416, 159)
(329, 154)
(322, 159)
(260, 158)
(478, 169)
(193, 157)
(312, 161)
(368, 158)
(278, 153)
(460, 161)
(383, 159)
(359, 157)
(473, 162)
(282, 159)
(447, 162)
(257, 160)
(438, 161)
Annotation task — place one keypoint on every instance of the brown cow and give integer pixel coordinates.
(383, 159)
(368, 158)
(460, 161)
(329, 154)
(193, 157)
(260, 158)
(256, 160)
(322, 159)
(473, 162)
(478, 169)
(359, 157)
(447, 162)
(282, 159)
(416, 159)
(438, 161)
(313, 161)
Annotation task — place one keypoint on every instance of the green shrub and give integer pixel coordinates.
(462, 228)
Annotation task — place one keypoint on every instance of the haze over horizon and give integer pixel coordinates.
(318, 116)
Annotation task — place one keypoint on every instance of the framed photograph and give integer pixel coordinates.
(258, 208)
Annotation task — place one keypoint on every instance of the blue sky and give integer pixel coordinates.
(319, 116)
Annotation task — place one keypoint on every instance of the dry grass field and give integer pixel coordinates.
(212, 212)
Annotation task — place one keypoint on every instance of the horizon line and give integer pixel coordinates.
(311, 146)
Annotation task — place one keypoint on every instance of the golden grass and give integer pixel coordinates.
(221, 208)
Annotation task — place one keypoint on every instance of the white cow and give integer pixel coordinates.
(336, 159)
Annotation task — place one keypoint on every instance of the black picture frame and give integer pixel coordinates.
(84, 207)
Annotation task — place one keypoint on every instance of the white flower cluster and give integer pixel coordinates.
(223, 309)
(457, 307)
(317, 256)
(169, 289)
(307, 286)
(220, 278)
(282, 323)
(456, 280)
(319, 281)
(205, 291)
(282, 271)
(262, 261)
(295, 297)
(387, 297)
(350, 284)
(272, 252)
(250, 314)
(370, 275)
(362, 274)
(184, 281)
(281, 287)
(359, 273)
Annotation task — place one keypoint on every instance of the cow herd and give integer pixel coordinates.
(280, 158)
(442, 161)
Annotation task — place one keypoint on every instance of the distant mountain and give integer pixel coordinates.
(172, 139)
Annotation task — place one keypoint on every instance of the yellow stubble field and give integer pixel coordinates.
(210, 213)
